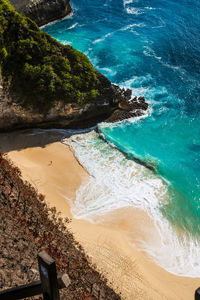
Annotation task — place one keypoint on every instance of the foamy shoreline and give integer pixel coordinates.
(55, 172)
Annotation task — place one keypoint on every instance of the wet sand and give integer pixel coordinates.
(112, 245)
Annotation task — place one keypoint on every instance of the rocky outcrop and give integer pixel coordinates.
(127, 107)
(115, 105)
(43, 11)
(14, 116)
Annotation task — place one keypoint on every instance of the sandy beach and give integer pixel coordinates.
(112, 246)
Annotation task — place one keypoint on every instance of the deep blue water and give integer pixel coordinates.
(152, 47)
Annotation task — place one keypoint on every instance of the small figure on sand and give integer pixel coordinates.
(50, 163)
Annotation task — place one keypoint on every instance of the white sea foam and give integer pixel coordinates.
(65, 42)
(121, 29)
(117, 182)
(144, 86)
(107, 189)
(103, 38)
(126, 2)
(177, 253)
(133, 11)
(139, 86)
(150, 52)
(109, 71)
(98, 41)
(150, 8)
(132, 26)
(72, 26)
(48, 24)
(70, 16)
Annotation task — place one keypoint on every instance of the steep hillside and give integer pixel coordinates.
(46, 84)
(38, 71)
(27, 226)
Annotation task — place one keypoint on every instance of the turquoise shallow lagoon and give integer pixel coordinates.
(152, 47)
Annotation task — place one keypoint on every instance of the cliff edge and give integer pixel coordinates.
(47, 84)
(44, 81)
(43, 11)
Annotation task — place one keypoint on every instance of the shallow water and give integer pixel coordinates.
(152, 47)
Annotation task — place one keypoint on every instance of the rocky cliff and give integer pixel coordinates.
(47, 84)
(15, 116)
(42, 11)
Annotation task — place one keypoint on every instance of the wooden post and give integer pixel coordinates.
(48, 277)
(49, 284)
(32, 289)
(197, 294)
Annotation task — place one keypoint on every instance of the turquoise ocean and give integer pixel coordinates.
(152, 47)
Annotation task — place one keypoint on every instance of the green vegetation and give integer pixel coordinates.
(37, 70)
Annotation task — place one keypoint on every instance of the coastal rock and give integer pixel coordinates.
(112, 106)
(43, 11)
(128, 108)
(133, 104)
(61, 115)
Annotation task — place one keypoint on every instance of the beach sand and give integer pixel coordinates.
(112, 245)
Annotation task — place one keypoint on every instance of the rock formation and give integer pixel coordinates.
(127, 107)
(43, 11)
(116, 107)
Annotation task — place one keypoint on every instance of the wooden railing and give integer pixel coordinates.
(48, 285)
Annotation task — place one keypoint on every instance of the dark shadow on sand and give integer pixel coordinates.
(22, 139)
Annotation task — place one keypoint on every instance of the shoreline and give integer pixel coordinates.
(69, 15)
(111, 245)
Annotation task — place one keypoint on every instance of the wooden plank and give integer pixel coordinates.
(48, 277)
(31, 289)
(63, 281)
(21, 292)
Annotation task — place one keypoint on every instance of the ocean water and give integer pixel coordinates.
(152, 47)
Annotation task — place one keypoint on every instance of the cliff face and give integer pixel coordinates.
(42, 11)
(62, 115)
